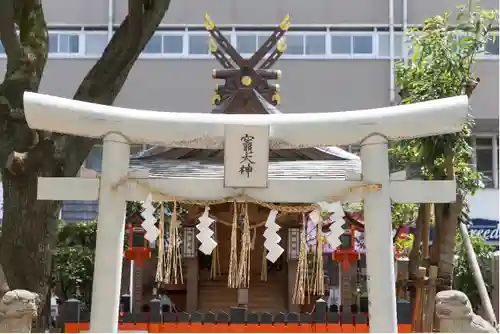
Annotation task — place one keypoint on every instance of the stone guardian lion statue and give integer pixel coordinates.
(17, 311)
(455, 314)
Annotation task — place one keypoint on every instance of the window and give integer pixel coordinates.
(354, 149)
(362, 44)
(315, 45)
(2, 50)
(94, 159)
(383, 45)
(173, 44)
(487, 159)
(246, 44)
(95, 43)
(154, 45)
(261, 39)
(165, 44)
(341, 44)
(77, 211)
(198, 44)
(64, 43)
(492, 47)
(137, 148)
(294, 45)
(193, 42)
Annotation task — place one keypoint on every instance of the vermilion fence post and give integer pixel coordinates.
(238, 320)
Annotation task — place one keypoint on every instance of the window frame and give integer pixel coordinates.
(405, 45)
(491, 56)
(493, 146)
(301, 34)
(190, 33)
(306, 34)
(186, 32)
(181, 34)
(351, 54)
(154, 55)
(81, 45)
(83, 42)
(255, 34)
(163, 54)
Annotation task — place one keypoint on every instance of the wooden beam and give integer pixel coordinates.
(417, 191)
(278, 190)
(68, 188)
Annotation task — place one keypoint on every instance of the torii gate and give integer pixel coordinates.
(120, 127)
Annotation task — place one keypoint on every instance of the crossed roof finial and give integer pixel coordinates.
(246, 78)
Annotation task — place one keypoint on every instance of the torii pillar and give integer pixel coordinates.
(378, 236)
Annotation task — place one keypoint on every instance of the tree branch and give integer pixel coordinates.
(8, 36)
(26, 58)
(106, 78)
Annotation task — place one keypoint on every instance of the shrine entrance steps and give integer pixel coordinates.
(215, 296)
(268, 296)
(263, 296)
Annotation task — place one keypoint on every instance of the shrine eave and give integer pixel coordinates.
(322, 169)
(289, 181)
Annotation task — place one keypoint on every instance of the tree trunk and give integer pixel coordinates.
(36, 223)
(448, 245)
(446, 218)
(30, 226)
(414, 257)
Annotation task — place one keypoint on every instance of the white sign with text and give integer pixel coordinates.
(246, 156)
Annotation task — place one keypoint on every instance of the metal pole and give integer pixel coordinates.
(478, 276)
(131, 286)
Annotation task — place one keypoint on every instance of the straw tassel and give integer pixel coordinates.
(263, 271)
(317, 284)
(215, 266)
(161, 246)
(232, 277)
(173, 265)
(244, 265)
(299, 294)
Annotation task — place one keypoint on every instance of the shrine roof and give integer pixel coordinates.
(324, 169)
(259, 105)
(312, 153)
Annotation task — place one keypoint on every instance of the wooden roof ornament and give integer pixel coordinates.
(246, 88)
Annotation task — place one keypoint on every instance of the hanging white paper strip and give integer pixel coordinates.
(274, 250)
(207, 243)
(315, 216)
(337, 220)
(148, 224)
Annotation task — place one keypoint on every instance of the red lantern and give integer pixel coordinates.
(138, 248)
(345, 253)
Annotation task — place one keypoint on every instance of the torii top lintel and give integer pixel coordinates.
(246, 88)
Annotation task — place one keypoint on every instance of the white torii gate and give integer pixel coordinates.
(120, 127)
